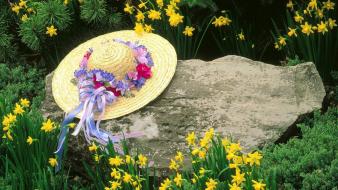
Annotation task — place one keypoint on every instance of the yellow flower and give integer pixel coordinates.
(258, 185)
(238, 178)
(16, 8)
(241, 36)
(175, 19)
(202, 154)
(18, 109)
(221, 21)
(211, 184)
(23, 101)
(115, 185)
(195, 151)
(139, 28)
(65, 2)
(179, 156)
(24, 18)
(29, 140)
(115, 174)
(22, 4)
(170, 10)
(173, 165)
(204, 142)
(188, 31)
(191, 138)
(139, 16)
(30, 10)
(142, 5)
(201, 171)
(277, 46)
(128, 9)
(142, 160)
(148, 28)
(154, 15)
(255, 158)
(116, 161)
(230, 155)
(9, 135)
(292, 32)
(322, 27)
(234, 147)
(298, 18)
(332, 23)
(306, 28)
(193, 180)
(225, 142)
(53, 162)
(328, 5)
(127, 177)
(290, 5)
(47, 126)
(51, 31)
(92, 148)
(97, 158)
(312, 5)
(165, 184)
(128, 159)
(234, 186)
(319, 13)
(178, 180)
(282, 41)
(71, 125)
(8, 119)
(159, 3)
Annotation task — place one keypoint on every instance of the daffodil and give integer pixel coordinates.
(234, 186)
(71, 125)
(241, 36)
(195, 151)
(115, 174)
(282, 41)
(115, 185)
(29, 140)
(306, 28)
(165, 184)
(16, 8)
(97, 158)
(292, 32)
(139, 29)
(65, 2)
(115, 161)
(276, 45)
(128, 159)
(18, 110)
(127, 178)
(298, 18)
(142, 5)
(328, 5)
(235, 147)
(8, 119)
(319, 13)
(258, 185)
(9, 135)
(30, 10)
(154, 15)
(170, 10)
(191, 138)
(159, 3)
(142, 160)
(24, 18)
(201, 171)
(22, 4)
(238, 178)
(290, 5)
(255, 158)
(188, 31)
(53, 162)
(148, 28)
(92, 148)
(202, 154)
(128, 9)
(322, 27)
(211, 184)
(312, 5)
(24, 102)
(175, 19)
(221, 21)
(178, 180)
(332, 23)
(179, 156)
(47, 126)
(139, 16)
(51, 31)
(173, 165)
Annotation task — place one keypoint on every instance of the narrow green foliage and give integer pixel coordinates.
(94, 11)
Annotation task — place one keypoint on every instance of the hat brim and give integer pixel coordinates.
(66, 94)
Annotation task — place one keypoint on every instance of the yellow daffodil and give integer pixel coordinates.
(235, 147)
(178, 180)
(53, 162)
(154, 15)
(191, 138)
(238, 178)
(47, 126)
(201, 171)
(328, 5)
(142, 5)
(173, 165)
(128, 159)
(30, 10)
(230, 155)
(128, 9)
(139, 16)
(195, 151)
(51, 31)
(175, 19)
(24, 102)
(221, 21)
(292, 32)
(97, 158)
(139, 29)
(211, 184)
(312, 5)
(319, 13)
(8, 119)
(148, 28)
(71, 125)
(234, 186)
(170, 10)
(204, 142)
(142, 160)
(24, 18)
(322, 27)
(282, 41)
(159, 3)
(65, 2)
(332, 23)
(16, 8)
(92, 148)
(127, 178)
(188, 31)
(225, 142)
(179, 156)
(115, 185)
(18, 110)
(306, 28)
(258, 185)
(116, 161)
(29, 140)
(255, 158)
(23, 4)
(202, 154)
(165, 184)
(115, 174)
(241, 36)
(290, 5)
(298, 18)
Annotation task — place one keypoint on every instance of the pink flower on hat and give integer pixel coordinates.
(143, 71)
(140, 54)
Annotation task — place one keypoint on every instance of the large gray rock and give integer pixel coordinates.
(253, 102)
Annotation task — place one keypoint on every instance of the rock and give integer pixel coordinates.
(253, 102)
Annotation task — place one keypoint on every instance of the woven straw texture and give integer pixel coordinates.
(65, 91)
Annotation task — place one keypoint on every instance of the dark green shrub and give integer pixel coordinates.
(311, 161)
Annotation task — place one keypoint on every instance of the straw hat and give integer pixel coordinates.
(116, 58)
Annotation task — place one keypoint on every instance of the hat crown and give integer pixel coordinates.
(112, 57)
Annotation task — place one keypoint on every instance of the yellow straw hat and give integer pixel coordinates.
(116, 58)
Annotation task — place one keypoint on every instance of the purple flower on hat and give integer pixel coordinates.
(150, 60)
(140, 54)
(139, 83)
(122, 86)
(80, 73)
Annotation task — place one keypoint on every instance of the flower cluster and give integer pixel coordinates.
(308, 19)
(133, 79)
(161, 11)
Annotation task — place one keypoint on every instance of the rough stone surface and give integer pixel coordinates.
(250, 101)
